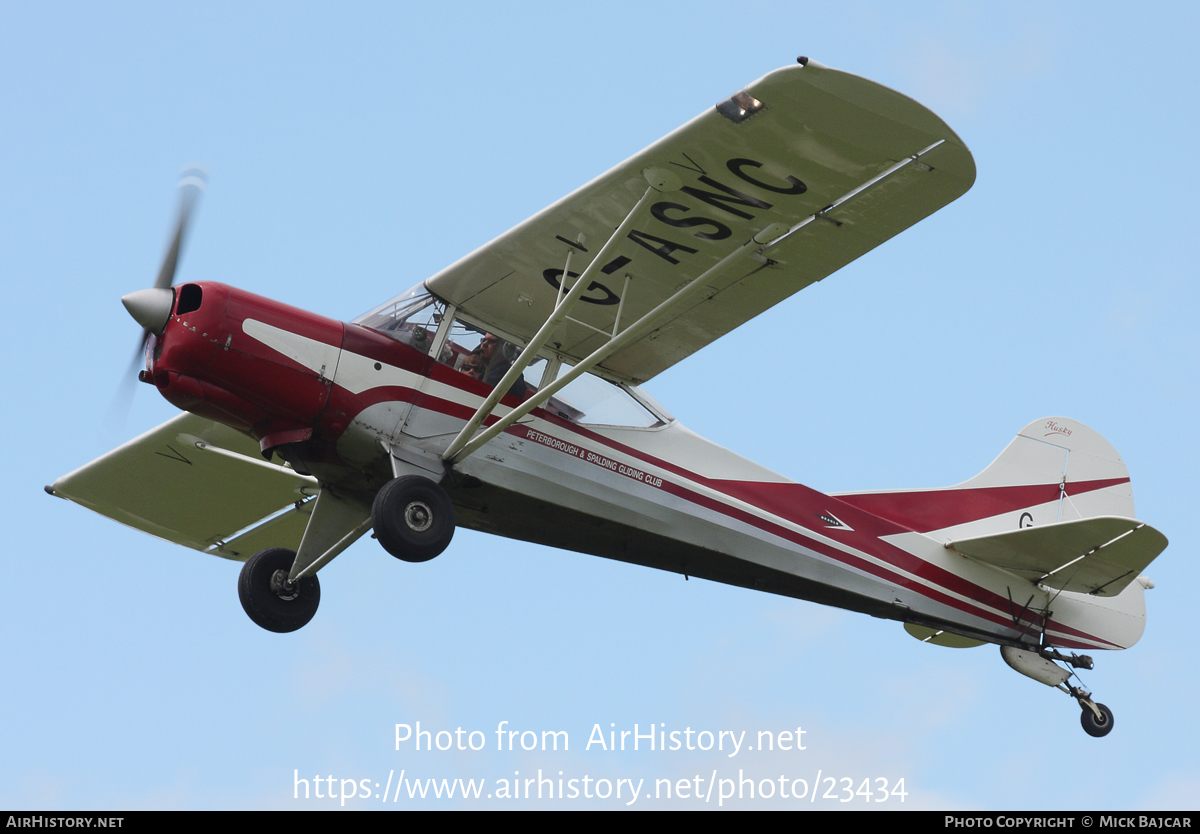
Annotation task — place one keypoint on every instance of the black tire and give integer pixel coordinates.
(268, 601)
(414, 518)
(1097, 727)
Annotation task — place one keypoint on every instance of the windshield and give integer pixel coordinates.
(412, 318)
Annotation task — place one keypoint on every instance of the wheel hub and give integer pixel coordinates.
(282, 588)
(418, 517)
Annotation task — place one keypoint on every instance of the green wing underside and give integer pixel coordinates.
(197, 483)
(819, 136)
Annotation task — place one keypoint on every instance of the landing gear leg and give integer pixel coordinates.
(1040, 665)
(413, 518)
(269, 599)
(1097, 719)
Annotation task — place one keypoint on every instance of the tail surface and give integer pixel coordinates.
(1055, 509)
(1054, 470)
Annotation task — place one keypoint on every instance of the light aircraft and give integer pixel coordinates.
(502, 395)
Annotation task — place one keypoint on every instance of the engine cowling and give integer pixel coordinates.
(213, 359)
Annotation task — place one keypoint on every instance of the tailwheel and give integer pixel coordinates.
(269, 599)
(1097, 719)
(1040, 665)
(1093, 724)
(413, 518)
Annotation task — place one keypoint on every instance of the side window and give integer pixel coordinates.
(484, 356)
(480, 354)
(590, 400)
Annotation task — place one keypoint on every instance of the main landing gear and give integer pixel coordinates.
(414, 518)
(1097, 719)
(269, 599)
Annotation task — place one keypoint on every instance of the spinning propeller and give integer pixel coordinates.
(151, 307)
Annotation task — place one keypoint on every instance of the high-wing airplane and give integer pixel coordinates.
(502, 395)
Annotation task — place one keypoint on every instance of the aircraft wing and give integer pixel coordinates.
(842, 162)
(1098, 556)
(197, 483)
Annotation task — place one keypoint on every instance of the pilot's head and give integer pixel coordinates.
(487, 347)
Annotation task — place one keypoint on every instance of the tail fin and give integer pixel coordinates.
(1054, 470)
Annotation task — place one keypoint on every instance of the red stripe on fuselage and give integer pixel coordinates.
(937, 509)
(792, 502)
(800, 505)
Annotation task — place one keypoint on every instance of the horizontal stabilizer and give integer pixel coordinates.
(939, 637)
(1098, 556)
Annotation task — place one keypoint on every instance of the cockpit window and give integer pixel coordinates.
(591, 400)
(484, 356)
(470, 348)
(412, 318)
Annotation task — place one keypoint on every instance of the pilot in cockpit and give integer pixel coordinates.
(497, 357)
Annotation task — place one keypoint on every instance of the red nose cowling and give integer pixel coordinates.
(205, 363)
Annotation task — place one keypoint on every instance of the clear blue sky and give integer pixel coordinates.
(356, 149)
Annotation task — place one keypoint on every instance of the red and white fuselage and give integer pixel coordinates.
(346, 402)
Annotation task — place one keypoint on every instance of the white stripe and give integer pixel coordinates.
(358, 374)
(317, 356)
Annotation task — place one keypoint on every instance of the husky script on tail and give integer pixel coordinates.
(502, 395)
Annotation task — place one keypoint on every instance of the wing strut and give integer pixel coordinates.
(205, 446)
(635, 331)
(659, 181)
(762, 242)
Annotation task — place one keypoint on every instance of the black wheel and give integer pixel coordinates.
(414, 518)
(1094, 726)
(269, 599)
